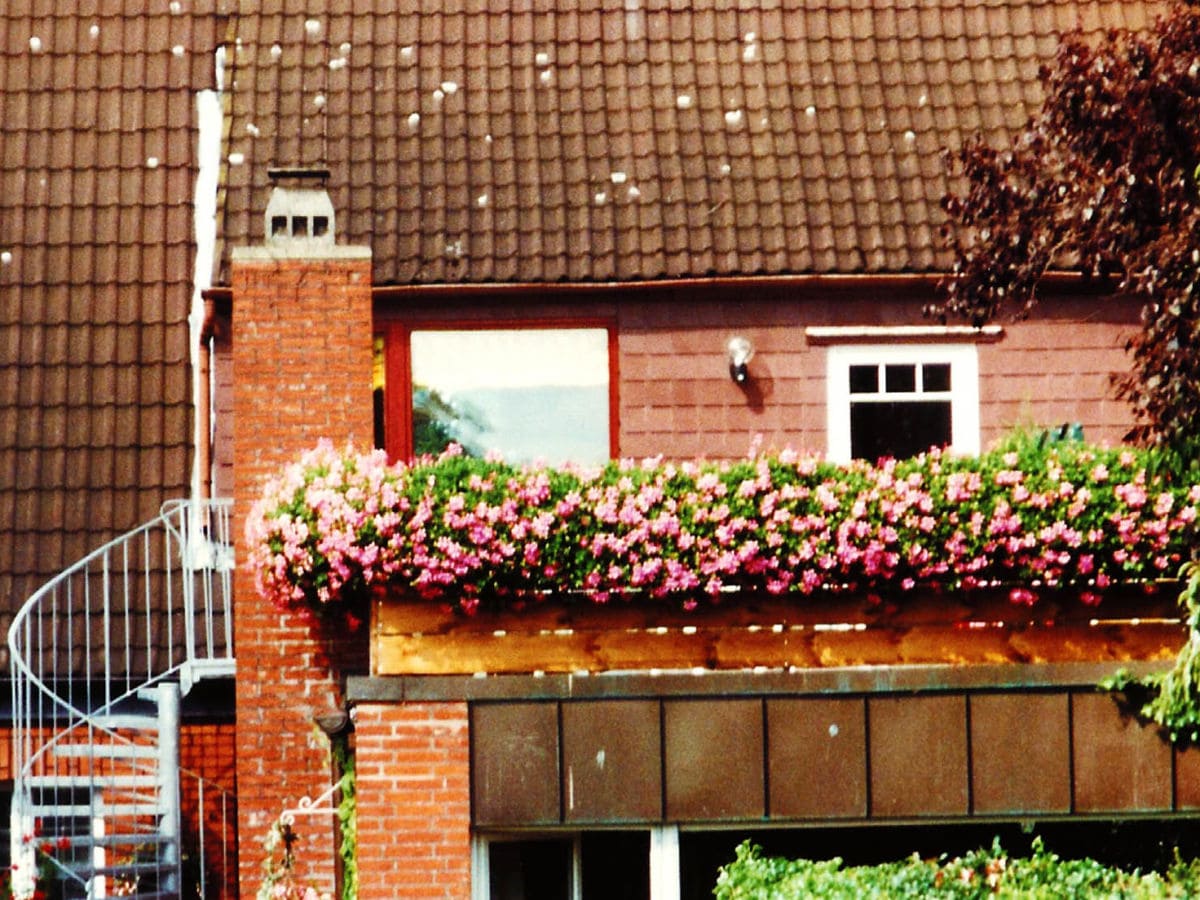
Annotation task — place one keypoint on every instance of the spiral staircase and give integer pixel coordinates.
(102, 657)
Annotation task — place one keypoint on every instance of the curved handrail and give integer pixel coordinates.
(141, 609)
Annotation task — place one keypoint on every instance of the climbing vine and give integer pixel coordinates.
(347, 814)
(1171, 699)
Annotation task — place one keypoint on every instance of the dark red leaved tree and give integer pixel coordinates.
(1103, 181)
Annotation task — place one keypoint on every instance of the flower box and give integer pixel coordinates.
(410, 636)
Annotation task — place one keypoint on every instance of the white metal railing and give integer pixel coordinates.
(88, 652)
(215, 871)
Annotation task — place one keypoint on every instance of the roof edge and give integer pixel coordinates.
(1055, 282)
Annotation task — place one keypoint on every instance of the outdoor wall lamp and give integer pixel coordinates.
(740, 352)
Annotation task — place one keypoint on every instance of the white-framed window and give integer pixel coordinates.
(520, 867)
(899, 400)
(635, 864)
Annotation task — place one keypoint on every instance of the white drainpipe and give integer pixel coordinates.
(208, 152)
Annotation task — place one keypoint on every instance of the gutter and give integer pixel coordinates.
(1053, 282)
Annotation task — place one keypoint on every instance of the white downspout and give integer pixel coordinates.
(210, 116)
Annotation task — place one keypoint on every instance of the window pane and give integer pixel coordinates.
(901, 379)
(527, 394)
(899, 430)
(378, 378)
(936, 376)
(864, 379)
(616, 864)
(529, 870)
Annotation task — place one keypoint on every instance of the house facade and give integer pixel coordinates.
(644, 191)
(621, 230)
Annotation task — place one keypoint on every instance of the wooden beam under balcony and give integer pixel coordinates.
(414, 637)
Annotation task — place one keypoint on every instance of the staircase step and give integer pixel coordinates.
(97, 811)
(192, 673)
(124, 839)
(127, 721)
(211, 667)
(131, 868)
(127, 841)
(107, 751)
(85, 782)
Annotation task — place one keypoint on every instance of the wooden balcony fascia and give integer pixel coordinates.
(1133, 624)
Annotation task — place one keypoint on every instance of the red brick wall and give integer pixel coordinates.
(302, 366)
(414, 804)
(223, 422)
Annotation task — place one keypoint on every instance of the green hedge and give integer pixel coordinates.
(984, 873)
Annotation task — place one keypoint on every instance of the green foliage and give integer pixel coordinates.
(347, 814)
(1171, 699)
(983, 873)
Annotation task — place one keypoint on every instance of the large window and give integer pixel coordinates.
(525, 393)
(900, 400)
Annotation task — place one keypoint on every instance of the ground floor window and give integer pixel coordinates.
(900, 400)
(595, 865)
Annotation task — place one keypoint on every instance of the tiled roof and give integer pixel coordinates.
(583, 140)
(97, 173)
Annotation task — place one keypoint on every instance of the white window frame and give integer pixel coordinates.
(665, 879)
(481, 865)
(964, 388)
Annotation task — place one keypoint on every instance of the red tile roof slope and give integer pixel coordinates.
(584, 140)
(97, 172)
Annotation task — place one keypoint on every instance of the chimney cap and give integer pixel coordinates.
(288, 173)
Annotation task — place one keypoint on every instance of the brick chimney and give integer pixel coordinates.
(302, 372)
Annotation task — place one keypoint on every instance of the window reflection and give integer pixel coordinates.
(534, 394)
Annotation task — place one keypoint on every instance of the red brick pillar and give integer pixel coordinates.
(302, 372)
(414, 805)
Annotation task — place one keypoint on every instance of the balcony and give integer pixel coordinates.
(1026, 554)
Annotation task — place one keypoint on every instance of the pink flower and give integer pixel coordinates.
(1023, 596)
(1133, 495)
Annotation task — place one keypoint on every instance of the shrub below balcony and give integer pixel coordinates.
(338, 527)
(979, 875)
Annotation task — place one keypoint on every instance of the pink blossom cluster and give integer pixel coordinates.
(339, 526)
(328, 529)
